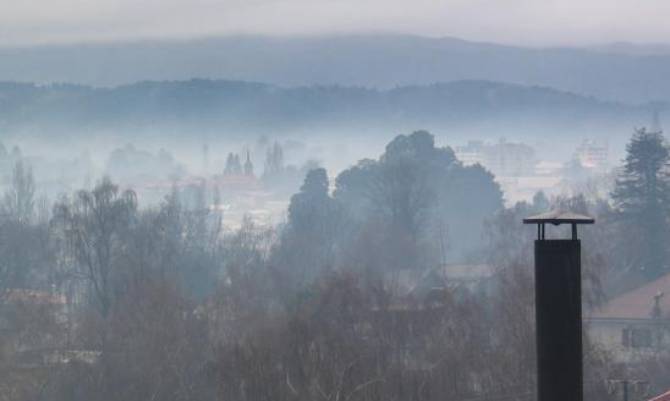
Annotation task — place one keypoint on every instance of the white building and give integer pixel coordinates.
(593, 155)
(634, 325)
(503, 158)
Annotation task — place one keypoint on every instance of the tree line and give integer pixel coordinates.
(103, 299)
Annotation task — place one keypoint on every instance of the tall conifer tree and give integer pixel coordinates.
(642, 201)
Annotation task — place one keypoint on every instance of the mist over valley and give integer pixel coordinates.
(331, 217)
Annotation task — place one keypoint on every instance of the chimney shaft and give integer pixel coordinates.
(558, 311)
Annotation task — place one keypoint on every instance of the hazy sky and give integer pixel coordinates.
(532, 22)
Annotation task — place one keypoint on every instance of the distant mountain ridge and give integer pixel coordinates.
(619, 72)
(634, 49)
(215, 106)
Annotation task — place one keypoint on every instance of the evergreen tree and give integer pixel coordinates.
(237, 166)
(233, 166)
(311, 206)
(540, 202)
(274, 160)
(308, 244)
(642, 201)
(248, 166)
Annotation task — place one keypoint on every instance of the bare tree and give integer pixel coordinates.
(94, 224)
(18, 202)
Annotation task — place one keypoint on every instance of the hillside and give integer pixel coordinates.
(621, 73)
(236, 107)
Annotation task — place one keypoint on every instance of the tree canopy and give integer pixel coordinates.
(642, 201)
(425, 195)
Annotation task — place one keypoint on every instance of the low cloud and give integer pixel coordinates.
(548, 22)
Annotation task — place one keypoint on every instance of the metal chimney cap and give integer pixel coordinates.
(557, 217)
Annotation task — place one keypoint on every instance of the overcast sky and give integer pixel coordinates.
(526, 22)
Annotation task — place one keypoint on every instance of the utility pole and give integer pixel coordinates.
(625, 390)
(558, 309)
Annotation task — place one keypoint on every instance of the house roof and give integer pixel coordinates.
(663, 397)
(638, 303)
(410, 281)
(21, 295)
(466, 272)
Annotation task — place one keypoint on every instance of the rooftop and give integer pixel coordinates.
(663, 397)
(557, 217)
(639, 303)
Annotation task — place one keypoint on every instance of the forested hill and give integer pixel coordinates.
(620, 73)
(235, 106)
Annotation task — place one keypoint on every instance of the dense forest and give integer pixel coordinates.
(102, 298)
(234, 108)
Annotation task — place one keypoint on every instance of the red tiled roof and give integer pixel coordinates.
(662, 397)
(638, 303)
